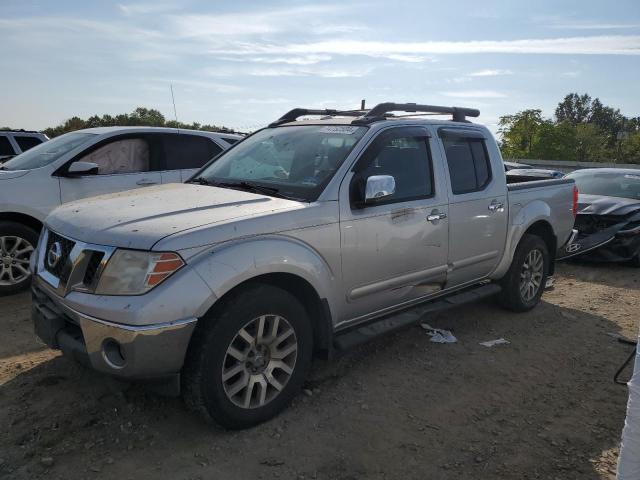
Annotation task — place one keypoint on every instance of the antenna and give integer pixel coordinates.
(175, 113)
(362, 102)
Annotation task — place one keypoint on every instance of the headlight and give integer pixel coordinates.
(132, 272)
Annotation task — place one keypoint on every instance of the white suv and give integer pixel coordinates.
(14, 142)
(83, 164)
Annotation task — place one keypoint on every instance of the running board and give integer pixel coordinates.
(359, 335)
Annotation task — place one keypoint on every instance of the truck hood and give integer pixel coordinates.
(140, 218)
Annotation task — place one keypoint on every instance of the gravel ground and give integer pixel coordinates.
(543, 406)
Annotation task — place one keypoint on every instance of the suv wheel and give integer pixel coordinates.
(247, 362)
(524, 283)
(17, 243)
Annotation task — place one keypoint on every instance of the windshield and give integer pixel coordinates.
(47, 152)
(623, 185)
(295, 162)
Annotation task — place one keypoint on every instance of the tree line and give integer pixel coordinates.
(583, 130)
(147, 117)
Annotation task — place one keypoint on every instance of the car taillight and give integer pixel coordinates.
(575, 201)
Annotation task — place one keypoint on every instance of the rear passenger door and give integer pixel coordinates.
(477, 212)
(184, 154)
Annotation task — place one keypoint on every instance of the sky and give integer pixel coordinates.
(243, 64)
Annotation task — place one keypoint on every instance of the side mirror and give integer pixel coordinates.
(77, 169)
(379, 187)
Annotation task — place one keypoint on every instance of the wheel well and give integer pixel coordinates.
(21, 218)
(317, 308)
(544, 230)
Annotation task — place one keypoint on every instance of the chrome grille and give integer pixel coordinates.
(78, 266)
(65, 246)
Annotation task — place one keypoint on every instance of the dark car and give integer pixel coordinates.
(513, 165)
(608, 220)
(529, 174)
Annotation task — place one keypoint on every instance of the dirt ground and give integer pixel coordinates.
(543, 406)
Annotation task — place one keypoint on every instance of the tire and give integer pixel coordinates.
(234, 324)
(17, 243)
(521, 291)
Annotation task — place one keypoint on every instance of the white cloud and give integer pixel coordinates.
(289, 60)
(147, 8)
(474, 94)
(594, 45)
(585, 25)
(490, 73)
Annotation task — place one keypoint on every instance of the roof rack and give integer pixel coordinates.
(19, 130)
(293, 115)
(380, 112)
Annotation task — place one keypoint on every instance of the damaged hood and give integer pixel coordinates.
(140, 218)
(601, 205)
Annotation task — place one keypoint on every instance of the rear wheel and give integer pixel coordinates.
(524, 283)
(247, 362)
(17, 243)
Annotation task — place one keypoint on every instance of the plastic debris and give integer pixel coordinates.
(551, 283)
(493, 343)
(438, 335)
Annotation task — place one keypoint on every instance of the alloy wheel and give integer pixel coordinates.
(259, 361)
(15, 253)
(531, 275)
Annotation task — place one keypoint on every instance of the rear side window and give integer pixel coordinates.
(405, 156)
(468, 162)
(5, 147)
(230, 141)
(26, 143)
(188, 151)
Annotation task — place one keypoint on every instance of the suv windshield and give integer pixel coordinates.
(295, 162)
(47, 152)
(623, 184)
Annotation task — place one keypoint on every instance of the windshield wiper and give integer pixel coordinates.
(246, 186)
(202, 181)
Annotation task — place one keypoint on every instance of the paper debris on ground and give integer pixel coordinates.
(438, 335)
(493, 343)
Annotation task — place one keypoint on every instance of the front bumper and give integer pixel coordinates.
(126, 351)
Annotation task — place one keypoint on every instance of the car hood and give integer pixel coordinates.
(140, 218)
(11, 174)
(601, 205)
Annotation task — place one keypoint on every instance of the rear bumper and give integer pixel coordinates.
(126, 351)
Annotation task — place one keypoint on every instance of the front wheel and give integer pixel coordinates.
(249, 360)
(17, 243)
(524, 283)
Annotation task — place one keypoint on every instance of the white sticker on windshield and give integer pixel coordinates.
(343, 129)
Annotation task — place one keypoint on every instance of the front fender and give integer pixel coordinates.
(520, 219)
(226, 266)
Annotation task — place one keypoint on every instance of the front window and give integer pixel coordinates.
(47, 152)
(609, 184)
(295, 162)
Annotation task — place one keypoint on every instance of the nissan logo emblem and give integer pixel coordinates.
(54, 254)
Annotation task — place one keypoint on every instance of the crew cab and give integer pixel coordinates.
(309, 236)
(85, 163)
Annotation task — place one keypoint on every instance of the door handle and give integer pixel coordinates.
(434, 217)
(145, 182)
(496, 207)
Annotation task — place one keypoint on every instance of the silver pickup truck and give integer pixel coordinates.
(307, 237)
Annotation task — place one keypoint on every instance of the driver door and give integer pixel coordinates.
(124, 163)
(394, 251)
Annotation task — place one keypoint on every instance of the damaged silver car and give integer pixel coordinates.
(608, 219)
